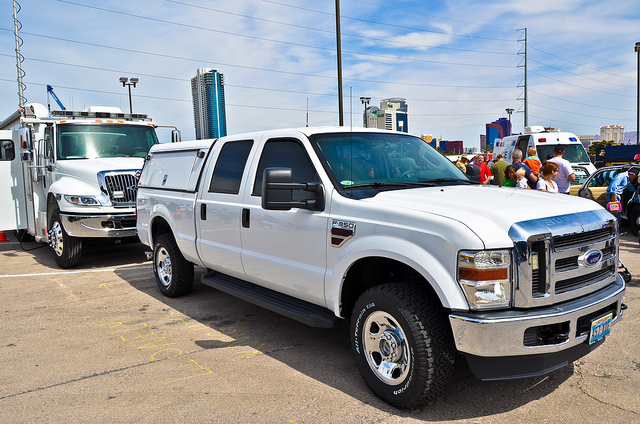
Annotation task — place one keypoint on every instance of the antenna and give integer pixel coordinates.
(17, 26)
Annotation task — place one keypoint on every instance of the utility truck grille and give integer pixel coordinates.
(120, 186)
(564, 257)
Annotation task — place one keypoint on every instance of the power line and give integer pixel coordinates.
(579, 86)
(329, 49)
(579, 64)
(578, 75)
(580, 103)
(387, 24)
(367, 38)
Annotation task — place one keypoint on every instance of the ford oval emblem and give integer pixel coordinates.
(591, 258)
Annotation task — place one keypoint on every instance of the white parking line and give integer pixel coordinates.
(74, 272)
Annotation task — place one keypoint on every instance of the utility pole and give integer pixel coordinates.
(525, 94)
(339, 43)
(637, 49)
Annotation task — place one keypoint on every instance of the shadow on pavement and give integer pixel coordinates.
(325, 355)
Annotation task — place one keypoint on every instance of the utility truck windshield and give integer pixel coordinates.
(365, 160)
(104, 141)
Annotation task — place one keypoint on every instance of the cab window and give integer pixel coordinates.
(286, 153)
(227, 174)
(7, 150)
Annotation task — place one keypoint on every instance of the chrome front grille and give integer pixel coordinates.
(120, 186)
(564, 257)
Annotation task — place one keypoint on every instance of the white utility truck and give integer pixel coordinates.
(545, 140)
(325, 224)
(72, 175)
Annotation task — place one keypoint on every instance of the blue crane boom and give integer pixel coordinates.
(50, 91)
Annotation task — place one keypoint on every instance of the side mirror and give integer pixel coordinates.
(176, 137)
(278, 187)
(26, 141)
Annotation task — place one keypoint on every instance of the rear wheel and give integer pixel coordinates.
(66, 249)
(634, 220)
(173, 273)
(402, 344)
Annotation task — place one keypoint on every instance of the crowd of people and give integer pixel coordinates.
(553, 174)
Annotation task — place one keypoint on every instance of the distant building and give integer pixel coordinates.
(209, 112)
(391, 115)
(612, 132)
(497, 129)
(586, 140)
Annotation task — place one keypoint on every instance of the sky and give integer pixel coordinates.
(459, 64)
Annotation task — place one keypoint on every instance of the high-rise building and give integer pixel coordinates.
(209, 112)
(391, 115)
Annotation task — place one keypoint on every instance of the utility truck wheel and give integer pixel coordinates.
(174, 274)
(66, 249)
(402, 344)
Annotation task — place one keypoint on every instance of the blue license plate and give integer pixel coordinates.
(600, 328)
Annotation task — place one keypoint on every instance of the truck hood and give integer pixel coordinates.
(87, 169)
(488, 211)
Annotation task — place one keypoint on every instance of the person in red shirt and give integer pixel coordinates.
(485, 172)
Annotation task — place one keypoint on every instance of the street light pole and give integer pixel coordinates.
(365, 101)
(637, 50)
(132, 81)
(509, 112)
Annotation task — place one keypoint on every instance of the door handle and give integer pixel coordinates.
(203, 211)
(246, 214)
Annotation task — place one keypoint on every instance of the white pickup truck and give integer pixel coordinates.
(379, 228)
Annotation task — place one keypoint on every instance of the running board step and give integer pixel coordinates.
(299, 310)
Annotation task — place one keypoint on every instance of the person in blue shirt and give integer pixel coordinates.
(622, 181)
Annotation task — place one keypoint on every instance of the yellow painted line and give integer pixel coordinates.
(75, 272)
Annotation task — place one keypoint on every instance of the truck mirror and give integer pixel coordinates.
(26, 142)
(277, 191)
(176, 137)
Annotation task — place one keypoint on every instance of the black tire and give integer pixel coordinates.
(634, 220)
(401, 323)
(66, 249)
(174, 274)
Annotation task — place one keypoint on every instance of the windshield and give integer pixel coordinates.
(361, 160)
(574, 153)
(104, 141)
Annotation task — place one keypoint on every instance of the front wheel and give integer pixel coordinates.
(402, 343)
(174, 274)
(66, 249)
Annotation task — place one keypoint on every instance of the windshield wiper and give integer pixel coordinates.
(376, 184)
(448, 180)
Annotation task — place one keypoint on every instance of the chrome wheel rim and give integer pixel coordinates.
(163, 266)
(55, 238)
(386, 348)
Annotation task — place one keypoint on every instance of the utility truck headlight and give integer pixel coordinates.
(82, 200)
(485, 278)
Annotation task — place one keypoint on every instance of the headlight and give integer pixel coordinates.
(485, 278)
(82, 200)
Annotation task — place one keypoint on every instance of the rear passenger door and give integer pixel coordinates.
(285, 250)
(219, 208)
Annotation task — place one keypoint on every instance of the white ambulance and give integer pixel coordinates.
(544, 140)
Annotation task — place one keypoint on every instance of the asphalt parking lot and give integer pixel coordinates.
(100, 344)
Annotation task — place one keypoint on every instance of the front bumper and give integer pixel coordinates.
(507, 335)
(99, 225)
